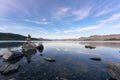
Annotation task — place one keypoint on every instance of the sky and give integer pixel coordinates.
(57, 19)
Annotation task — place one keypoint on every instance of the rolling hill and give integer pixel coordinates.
(12, 36)
(112, 37)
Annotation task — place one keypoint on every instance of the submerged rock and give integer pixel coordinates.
(3, 67)
(58, 78)
(8, 68)
(49, 59)
(112, 78)
(12, 79)
(96, 59)
(9, 55)
(90, 47)
(13, 61)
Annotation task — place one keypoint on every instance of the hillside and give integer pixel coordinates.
(12, 36)
(113, 37)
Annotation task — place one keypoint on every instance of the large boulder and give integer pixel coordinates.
(9, 55)
(9, 68)
(29, 45)
(40, 48)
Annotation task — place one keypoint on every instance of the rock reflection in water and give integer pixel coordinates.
(28, 54)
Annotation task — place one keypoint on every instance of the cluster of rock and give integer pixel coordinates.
(11, 57)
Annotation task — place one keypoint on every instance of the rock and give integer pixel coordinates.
(9, 55)
(8, 68)
(13, 61)
(105, 78)
(3, 67)
(28, 45)
(49, 59)
(90, 47)
(96, 59)
(40, 48)
(57, 78)
(29, 38)
(112, 79)
(41, 54)
(11, 68)
(12, 79)
(114, 70)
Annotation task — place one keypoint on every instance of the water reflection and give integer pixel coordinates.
(72, 62)
(104, 44)
(10, 44)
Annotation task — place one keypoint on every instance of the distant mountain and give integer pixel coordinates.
(12, 36)
(42, 39)
(113, 37)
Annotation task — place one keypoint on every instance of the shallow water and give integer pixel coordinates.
(72, 61)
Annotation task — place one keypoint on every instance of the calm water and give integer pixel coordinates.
(72, 61)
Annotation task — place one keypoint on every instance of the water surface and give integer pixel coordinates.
(72, 61)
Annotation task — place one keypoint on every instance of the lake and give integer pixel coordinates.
(72, 60)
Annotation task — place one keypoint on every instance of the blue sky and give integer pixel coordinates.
(60, 18)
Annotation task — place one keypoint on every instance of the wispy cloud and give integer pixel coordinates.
(108, 10)
(111, 19)
(8, 7)
(82, 29)
(20, 8)
(43, 21)
(67, 12)
(81, 13)
(99, 25)
(62, 12)
(104, 11)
